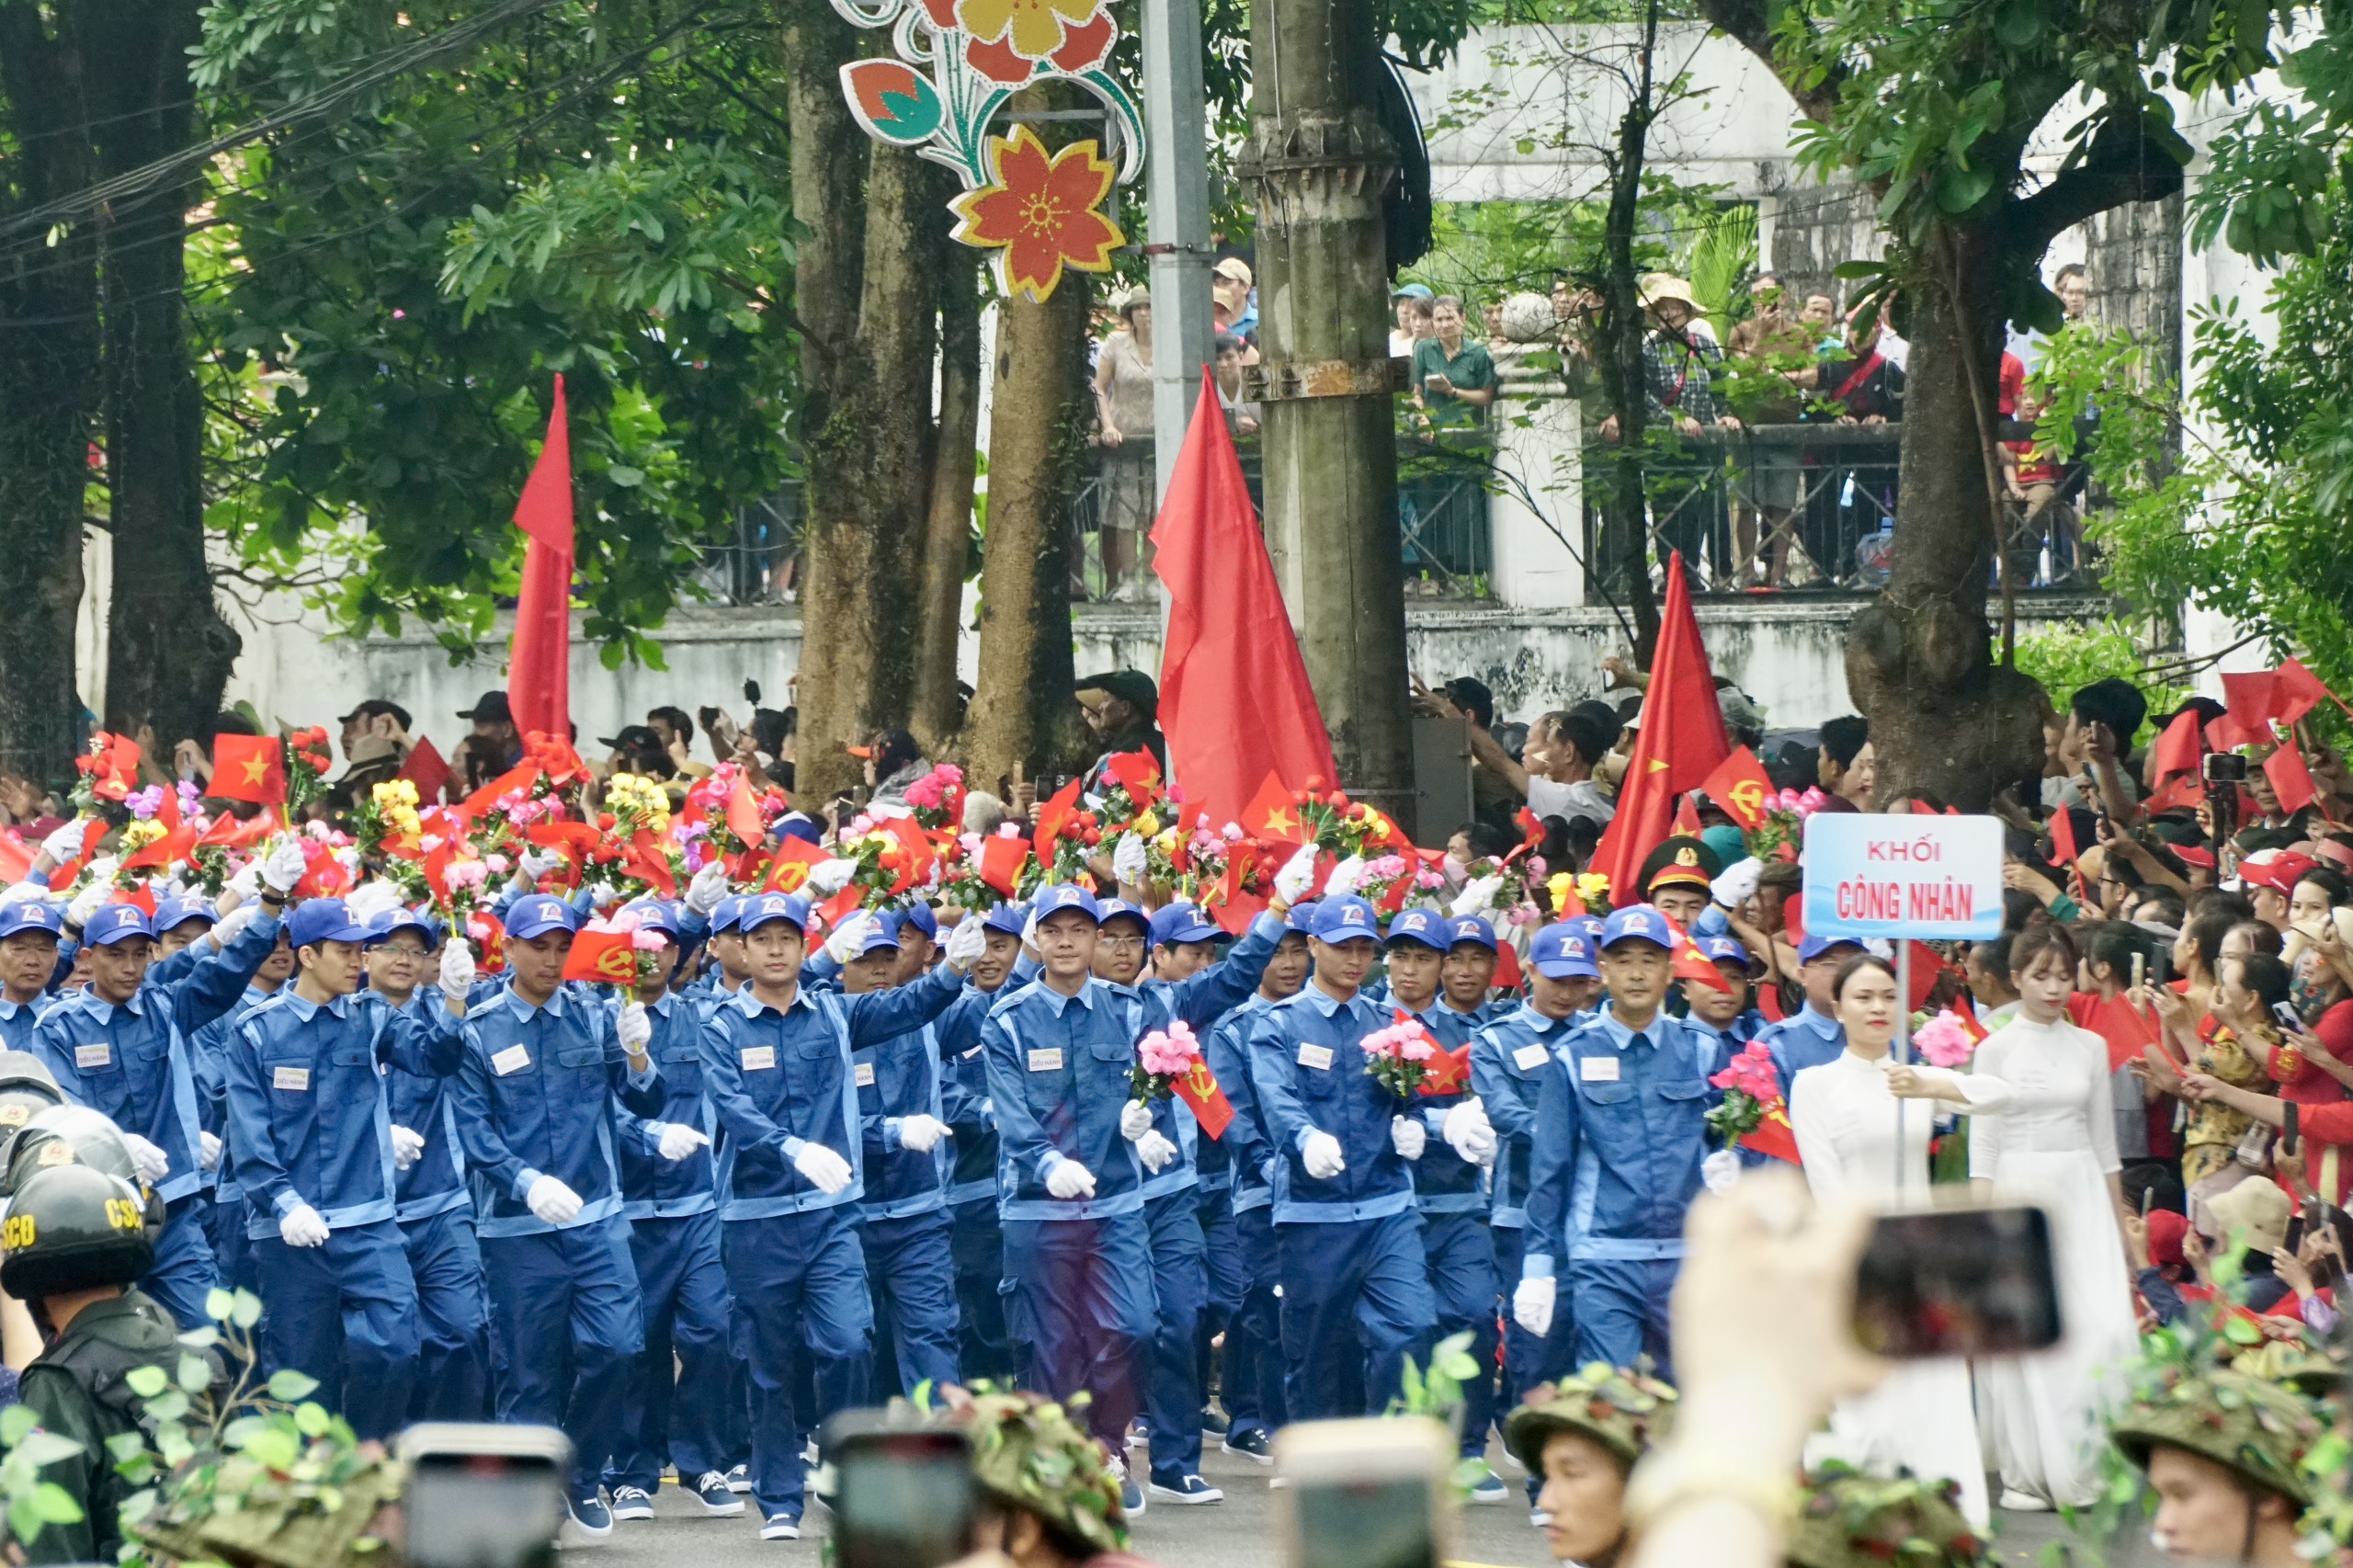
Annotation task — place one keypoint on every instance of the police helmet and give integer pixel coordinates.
(78, 1135)
(73, 1227)
(26, 1088)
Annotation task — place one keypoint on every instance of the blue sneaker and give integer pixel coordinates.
(1252, 1443)
(739, 1480)
(780, 1526)
(1191, 1489)
(1486, 1486)
(631, 1503)
(590, 1519)
(719, 1499)
(1131, 1501)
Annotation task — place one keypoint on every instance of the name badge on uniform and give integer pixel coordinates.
(1316, 1056)
(864, 1073)
(1598, 1069)
(298, 1078)
(758, 1058)
(1047, 1060)
(514, 1058)
(1529, 1058)
(88, 1056)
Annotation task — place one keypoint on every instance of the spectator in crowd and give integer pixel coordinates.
(1845, 764)
(676, 729)
(1454, 378)
(1233, 301)
(1123, 710)
(1490, 317)
(1678, 364)
(1241, 414)
(1859, 384)
(1123, 409)
(2074, 286)
(496, 744)
(892, 761)
(1772, 352)
(1819, 316)
(2102, 719)
(1413, 305)
(375, 744)
(637, 749)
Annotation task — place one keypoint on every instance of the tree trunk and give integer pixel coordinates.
(49, 399)
(1945, 719)
(1624, 568)
(864, 297)
(1022, 711)
(948, 535)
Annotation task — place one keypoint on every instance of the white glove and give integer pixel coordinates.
(152, 1162)
(1156, 1152)
(533, 864)
(65, 843)
(284, 864)
(552, 1202)
(1129, 862)
(1070, 1179)
(407, 1145)
(225, 931)
(1531, 1306)
(1720, 1170)
(1296, 880)
(369, 900)
(966, 942)
(826, 1171)
(208, 1151)
(1322, 1157)
(246, 882)
(1029, 932)
(603, 895)
(1408, 1136)
(303, 1227)
(635, 1028)
(89, 901)
(22, 892)
(1738, 883)
(829, 877)
(1344, 878)
(677, 1141)
(1477, 894)
(457, 971)
(1135, 1119)
(709, 886)
(1468, 1132)
(921, 1134)
(847, 936)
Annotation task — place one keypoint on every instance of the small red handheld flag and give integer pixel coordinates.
(790, 865)
(602, 956)
(1272, 813)
(248, 768)
(1001, 859)
(2291, 779)
(1199, 1089)
(1059, 809)
(1450, 1074)
(2181, 747)
(426, 770)
(1740, 785)
(1774, 1135)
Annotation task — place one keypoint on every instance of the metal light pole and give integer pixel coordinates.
(1176, 192)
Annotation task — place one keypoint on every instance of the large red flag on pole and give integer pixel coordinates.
(1235, 700)
(1680, 741)
(538, 664)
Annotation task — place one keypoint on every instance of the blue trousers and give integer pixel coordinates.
(1172, 1392)
(1621, 1310)
(233, 1250)
(911, 1272)
(183, 1274)
(1529, 1360)
(1253, 1337)
(1086, 1301)
(345, 1315)
(799, 1281)
(565, 1304)
(682, 1291)
(453, 1354)
(1463, 1276)
(1356, 1303)
(1228, 1281)
(984, 1347)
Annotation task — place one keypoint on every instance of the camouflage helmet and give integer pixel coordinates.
(2258, 1430)
(1848, 1520)
(1028, 1453)
(1624, 1411)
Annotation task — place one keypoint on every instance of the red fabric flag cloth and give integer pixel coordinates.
(743, 813)
(603, 958)
(425, 768)
(2126, 1029)
(1137, 772)
(1450, 1074)
(1000, 859)
(2251, 697)
(538, 662)
(1272, 813)
(1058, 810)
(1678, 747)
(2300, 691)
(248, 768)
(1926, 965)
(177, 845)
(2182, 793)
(1199, 1090)
(1228, 636)
(520, 778)
(2063, 847)
(2291, 779)
(16, 857)
(2181, 746)
(790, 866)
(1774, 1135)
(1739, 785)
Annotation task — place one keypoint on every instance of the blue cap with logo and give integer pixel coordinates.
(1181, 922)
(726, 913)
(382, 928)
(768, 908)
(1345, 919)
(1637, 923)
(1469, 928)
(180, 910)
(32, 915)
(1721, 950)
(117, 923)
(1559, 951)
(654, 915)
(1424, 926)
(919, 915)
(1008, 918)
(880, 934)
(1813, 947)
(1110, 909)
(1589, 926)
(1066, 896)
(316, 920)
(537, 915)
(1301, 917)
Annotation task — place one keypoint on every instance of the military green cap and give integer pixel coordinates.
(2256, 1430)
(1848, 1520)
(253, 1518)
(1028, 1453)
(1624, 1411)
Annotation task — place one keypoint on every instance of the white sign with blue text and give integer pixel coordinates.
(1936, 879)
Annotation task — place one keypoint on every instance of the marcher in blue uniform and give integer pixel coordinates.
(234, 1258)
(676, 1410)
(1182, 945)
(1356, 1290)
(985, 1348)
(543, 1062)
(435, 1211)
(1508, 1061)
(30, 930)
(1813, 1035)
(777, 1064)
(1439, 973)
(1620, 1133)
(313, 1144)
(121, 1046)
(1725, 1014)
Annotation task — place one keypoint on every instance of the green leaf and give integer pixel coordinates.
(2019, 24)
(195, 1374)
(273, 1448)
(247, 1312)
(52, 1504)
(146, 1382)
(310, 1420)
(45, 1448)
(1958, 189)
(219, 1305)
(287, 1385)
(626, 477)
(16, 1421)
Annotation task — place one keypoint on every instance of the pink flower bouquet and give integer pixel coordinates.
(1943, 1041)
(1163, 1057)
(1399, 1056)
(1751, 1085)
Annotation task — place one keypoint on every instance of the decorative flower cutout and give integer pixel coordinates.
(1041, 211)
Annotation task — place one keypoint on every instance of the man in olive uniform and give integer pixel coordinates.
(1579, 1438)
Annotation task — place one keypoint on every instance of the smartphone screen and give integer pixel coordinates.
(482, 1510)
(2286, 1018)
(1958, 1282)
(1387, 1522)
(901, 1500)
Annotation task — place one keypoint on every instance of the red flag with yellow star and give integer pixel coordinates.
(248, 768)
(1272, 813)
(1680, 741)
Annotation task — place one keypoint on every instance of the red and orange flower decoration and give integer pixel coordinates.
(1041, 211)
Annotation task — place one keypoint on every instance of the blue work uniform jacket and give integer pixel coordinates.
(972, 1115)
(1508, 1061)
(17, 1020)
(435, 1183)
(652, 1186)
(135, 1062)
(1444, 1182)
(1060, 1071)
(897, 1078)
(779, 1081)
(1806, 1038)
(1620, 1131)
(1201, 999)
(307, 1111)
(534, 1091)
(1307, 1070)
(1249, 1157)
(210, 1047)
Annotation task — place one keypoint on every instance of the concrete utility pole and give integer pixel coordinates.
(1321, 163)
(1176, 193)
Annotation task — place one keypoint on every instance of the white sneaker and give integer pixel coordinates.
(2018, 1502)
(780, 1526)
